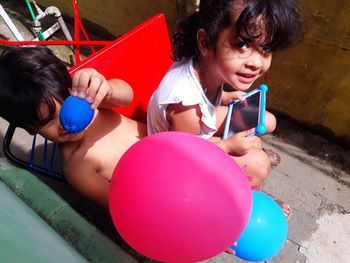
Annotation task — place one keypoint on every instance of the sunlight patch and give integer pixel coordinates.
(330, 242)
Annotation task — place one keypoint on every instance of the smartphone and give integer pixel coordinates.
(248, 114)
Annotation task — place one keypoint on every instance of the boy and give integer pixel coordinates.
(33, 85)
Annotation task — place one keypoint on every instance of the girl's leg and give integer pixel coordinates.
(274, 157)
(256, 165)
(270, 122)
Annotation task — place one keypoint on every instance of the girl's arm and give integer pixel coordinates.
(188, 119)
(90, 84)
(184, 118)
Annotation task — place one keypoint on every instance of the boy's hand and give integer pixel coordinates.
(91, 85)
(228, 96)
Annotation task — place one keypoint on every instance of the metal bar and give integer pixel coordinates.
(76, 31)
(85, 35)
(38, 33)
(57, 42)
(50, 31)
(24, 164)
(10, 24)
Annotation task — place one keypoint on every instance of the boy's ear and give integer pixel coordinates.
(202, 41)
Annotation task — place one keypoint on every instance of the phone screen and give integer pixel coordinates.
(245, 114)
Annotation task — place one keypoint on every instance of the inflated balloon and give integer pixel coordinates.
(175, 197)
(266, 231)
(76, 114)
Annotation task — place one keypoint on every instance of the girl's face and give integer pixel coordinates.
(52, 129)
(236, 62)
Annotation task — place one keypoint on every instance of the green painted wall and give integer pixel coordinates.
(310, 82)
(25, 237)
(23, 202)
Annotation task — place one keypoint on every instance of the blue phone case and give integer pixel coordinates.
(261, 127)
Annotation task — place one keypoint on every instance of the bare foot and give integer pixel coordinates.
(275, 158)
(287, 211)
(230, 250)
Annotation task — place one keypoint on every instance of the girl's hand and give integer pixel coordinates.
(228, 96)
(91, 85)
(240, 143)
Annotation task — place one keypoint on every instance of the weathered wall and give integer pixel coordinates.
(310, 82)
(119, 16)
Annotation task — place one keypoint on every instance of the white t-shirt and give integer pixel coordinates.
(181, 85)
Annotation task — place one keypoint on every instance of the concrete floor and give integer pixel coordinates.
(313, 177)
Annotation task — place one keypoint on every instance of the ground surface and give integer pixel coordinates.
(313, 177)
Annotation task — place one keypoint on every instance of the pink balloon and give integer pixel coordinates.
(175, 197)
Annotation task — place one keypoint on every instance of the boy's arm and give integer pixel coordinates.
(90, 84)
(121, 94)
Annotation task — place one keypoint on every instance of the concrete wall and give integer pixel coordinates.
(119, 16)
(310, 82)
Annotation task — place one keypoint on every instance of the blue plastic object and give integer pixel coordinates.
(76, 114)
(260, 128)
(266, 231)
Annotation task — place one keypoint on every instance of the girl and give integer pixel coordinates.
(224, 42)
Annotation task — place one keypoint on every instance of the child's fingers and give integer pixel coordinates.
(246, 133)
(252, 140)
(233, 95)
(239, 95)
(94, 87)
(83, 83)
(75, 83)
(100, 95)
(230, 251)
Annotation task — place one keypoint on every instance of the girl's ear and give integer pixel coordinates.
(202, 41)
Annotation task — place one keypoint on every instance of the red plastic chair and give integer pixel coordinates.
(141, 57)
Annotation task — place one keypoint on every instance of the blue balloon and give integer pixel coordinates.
(266, 231)
(76, 114)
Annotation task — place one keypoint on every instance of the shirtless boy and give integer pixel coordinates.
(33, 86)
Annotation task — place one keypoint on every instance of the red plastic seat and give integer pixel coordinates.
(141, 57)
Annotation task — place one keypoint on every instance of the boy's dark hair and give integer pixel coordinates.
(281, 20)
(29, 78)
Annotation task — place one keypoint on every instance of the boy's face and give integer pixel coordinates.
(239, 63)
(53, 130)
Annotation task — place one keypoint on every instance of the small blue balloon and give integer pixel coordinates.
(266, 231)
(76, 114)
